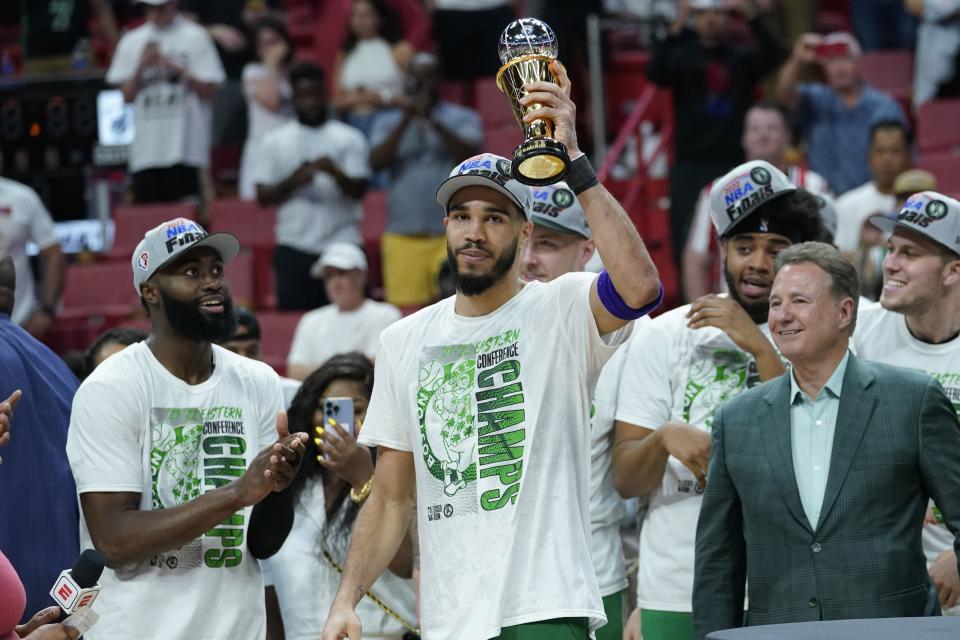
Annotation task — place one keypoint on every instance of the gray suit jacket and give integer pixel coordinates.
(897, 444)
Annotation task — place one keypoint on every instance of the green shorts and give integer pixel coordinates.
(666, 625)
(559, 629)
(613, 607)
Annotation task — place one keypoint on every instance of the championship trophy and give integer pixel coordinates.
(527, 47)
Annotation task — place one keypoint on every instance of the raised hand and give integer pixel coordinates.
(805, 48)
(727, 315)
(340, 452)
(275, 467)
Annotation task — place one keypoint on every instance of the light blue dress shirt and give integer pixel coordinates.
(812, 426)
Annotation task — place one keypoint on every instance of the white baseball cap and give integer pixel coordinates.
(742, 191)
(485, 170)
(339, 255)
(170, 240)
(928, 213)
(555, 207)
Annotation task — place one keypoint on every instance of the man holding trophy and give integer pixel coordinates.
(481, 405)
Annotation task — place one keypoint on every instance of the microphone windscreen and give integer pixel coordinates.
(88, 568)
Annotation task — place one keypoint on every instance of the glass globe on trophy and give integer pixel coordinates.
(527, 47)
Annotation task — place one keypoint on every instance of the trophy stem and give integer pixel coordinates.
(539, 160)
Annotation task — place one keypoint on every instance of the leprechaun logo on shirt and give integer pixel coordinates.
(470, 410)
(714, 378)
(193, 451)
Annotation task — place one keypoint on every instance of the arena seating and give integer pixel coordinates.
(276, 329)
(131, 221)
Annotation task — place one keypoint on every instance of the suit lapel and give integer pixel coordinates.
(856, 408)
(774, 423)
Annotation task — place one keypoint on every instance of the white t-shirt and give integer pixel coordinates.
(676, 373)
(607, 508)
(23, 218)
(371, 65)
(290, 388)
(496, 412)
(172, 123)
(135, 427)
(307, 583)
(702, 236)
(260, 121)
(327, 331)
(317, 214)
(883, 336)
(853, 209)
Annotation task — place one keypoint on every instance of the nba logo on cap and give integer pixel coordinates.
(143, 260)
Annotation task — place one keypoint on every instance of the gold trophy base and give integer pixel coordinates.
(539, 160)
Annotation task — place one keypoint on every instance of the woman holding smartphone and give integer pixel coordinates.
(333, 481)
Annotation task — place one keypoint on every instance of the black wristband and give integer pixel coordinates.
(581, 176)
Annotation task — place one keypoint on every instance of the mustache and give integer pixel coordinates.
(473, 245)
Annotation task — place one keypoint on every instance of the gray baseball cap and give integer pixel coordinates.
(929, 213)
(168, 241)
(742, 191)
(555, 207)
(485, 170)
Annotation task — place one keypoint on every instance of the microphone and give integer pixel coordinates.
(77, 588)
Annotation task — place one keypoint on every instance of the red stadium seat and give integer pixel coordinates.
(276, 331)
(225, 167)
(254, 227)
(454, 91)
(372, 227)
(946, 168)
(492, 105)
(937, 128)
(103, 289)
(241, 277)
(888, 70)
(502, 140)
(132, 221)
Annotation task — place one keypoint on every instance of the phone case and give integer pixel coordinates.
(339, 410)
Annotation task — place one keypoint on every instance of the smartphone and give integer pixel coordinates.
(340, 410)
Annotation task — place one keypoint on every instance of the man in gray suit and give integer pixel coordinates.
(819, 479)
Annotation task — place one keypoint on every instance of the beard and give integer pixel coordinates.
(473, 284)
(758, 311)
(311, 118)
(188, 321)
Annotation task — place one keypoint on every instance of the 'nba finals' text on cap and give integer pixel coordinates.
(339, 255)
(485, 170)
(739, 193)
(166, 242)
(555, 207)
(929, 213)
